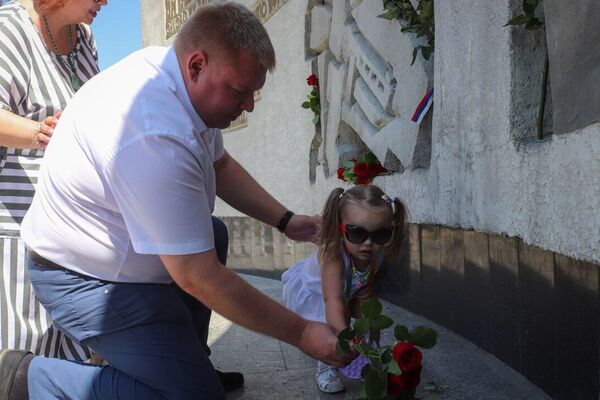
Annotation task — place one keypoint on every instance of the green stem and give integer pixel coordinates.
(542, 109)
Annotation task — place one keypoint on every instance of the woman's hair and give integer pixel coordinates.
(329, 234)
(223, 29)
(46, 7)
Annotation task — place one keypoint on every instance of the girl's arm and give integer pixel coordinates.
(332, 277)
(364, 294)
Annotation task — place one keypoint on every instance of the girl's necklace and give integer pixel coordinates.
(75, 82)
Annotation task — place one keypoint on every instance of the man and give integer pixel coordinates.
(123, 208)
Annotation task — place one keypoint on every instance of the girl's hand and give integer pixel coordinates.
(365, 293)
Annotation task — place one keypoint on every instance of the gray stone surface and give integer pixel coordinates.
(453, 370)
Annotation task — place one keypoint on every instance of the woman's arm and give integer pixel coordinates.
(24, 133)
(332, 278)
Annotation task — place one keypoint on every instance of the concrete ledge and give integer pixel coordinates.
(453, 370)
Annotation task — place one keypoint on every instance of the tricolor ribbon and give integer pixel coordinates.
(423, 106)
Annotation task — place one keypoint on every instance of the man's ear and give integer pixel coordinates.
(196, 64)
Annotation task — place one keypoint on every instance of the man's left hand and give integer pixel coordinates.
(303, 228)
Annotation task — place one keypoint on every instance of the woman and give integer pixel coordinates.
(47, 52)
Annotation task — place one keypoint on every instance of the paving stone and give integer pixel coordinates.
(454, 369)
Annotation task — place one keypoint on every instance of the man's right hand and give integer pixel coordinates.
(319, 341)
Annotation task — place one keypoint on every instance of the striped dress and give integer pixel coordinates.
(34, 83)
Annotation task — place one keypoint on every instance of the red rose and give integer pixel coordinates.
(340, 173)
(358, 340)
(405, 383)
(361, 170)
(312, 80)
(407, 356)
(393, 385)
(375, 169)
(363, 180)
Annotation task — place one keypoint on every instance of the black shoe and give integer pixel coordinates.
(9, 364)
(230, 380)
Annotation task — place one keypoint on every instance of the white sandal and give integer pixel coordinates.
(328, 380)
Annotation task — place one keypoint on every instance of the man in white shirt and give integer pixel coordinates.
(123, 209)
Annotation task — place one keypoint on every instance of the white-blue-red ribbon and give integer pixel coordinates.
(423, 106)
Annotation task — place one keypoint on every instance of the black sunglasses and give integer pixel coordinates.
(358, 235)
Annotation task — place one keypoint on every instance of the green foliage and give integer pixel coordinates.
(528, 17)
(423, 337)
(375, 374)
(314, 101)
(419, 21)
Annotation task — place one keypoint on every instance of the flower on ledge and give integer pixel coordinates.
(314, 102)
(361, 172)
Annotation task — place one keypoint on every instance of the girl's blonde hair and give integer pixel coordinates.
(329, 235)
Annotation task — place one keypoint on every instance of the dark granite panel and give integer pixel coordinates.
(577, 338)
(477, 288)
(536, 294)
(452, 260)
(395, 283)
(504, 298)
(432, 285)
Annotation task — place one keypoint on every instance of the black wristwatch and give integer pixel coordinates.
(284, 221)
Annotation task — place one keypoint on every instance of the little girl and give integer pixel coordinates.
(359, 226)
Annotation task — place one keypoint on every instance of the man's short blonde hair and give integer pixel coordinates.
(224, 28)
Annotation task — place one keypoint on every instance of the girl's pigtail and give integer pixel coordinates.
(328, 235)
(400, 225)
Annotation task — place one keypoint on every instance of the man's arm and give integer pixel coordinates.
(241, 191)
(205, 278)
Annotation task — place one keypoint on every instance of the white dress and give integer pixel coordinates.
(302, 290)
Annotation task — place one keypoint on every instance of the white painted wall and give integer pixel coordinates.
(480, 176)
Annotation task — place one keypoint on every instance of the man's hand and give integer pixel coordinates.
(319, 341)
(42, 137)
(303, 228)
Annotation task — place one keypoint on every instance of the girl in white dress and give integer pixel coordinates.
(360, 225)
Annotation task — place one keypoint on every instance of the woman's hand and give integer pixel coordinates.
(45, 130)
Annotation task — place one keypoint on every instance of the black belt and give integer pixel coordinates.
(44, 262)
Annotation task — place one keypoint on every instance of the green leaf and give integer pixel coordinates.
(411, 29)
(520, 20)
(306, 104)
(386, 356)
(394, 368)
(371, 308)
(401, 333)
(426, 52)
(427, 9)
(342, 347)
(389, 15)
(381, 322)
(348, 175)
(375, 386)
(346, 334)
(533, 24)
(423, 337)
(414, 56)
(361, 325)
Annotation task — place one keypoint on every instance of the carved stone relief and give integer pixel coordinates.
(368, 89)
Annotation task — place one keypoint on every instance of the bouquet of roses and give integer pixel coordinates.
(393, 372)
(361, 172)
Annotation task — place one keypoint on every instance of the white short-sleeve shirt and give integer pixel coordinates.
(128, 175)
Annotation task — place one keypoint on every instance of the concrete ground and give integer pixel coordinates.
(454, 369)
